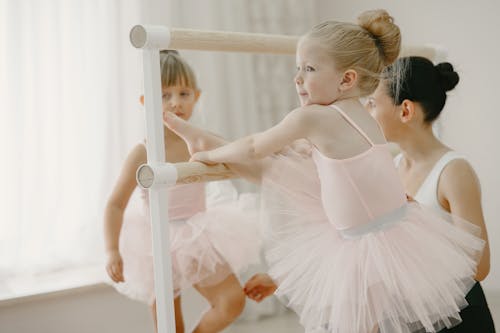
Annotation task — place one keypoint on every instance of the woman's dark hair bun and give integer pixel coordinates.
(447, 75)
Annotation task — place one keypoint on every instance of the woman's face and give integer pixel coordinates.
(381, 107)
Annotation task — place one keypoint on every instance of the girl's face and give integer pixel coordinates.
(180, 100)
(317, 80)
(381, 107)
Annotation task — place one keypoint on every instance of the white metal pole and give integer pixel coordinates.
(158, 195)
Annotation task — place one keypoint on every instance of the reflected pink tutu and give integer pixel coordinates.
(205, 248)
(408, 270)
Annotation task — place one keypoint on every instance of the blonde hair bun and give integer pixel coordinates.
(387, 35)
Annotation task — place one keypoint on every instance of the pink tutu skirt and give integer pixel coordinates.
(407, 272)
(205, 248)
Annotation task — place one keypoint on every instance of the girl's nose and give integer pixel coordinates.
(174, 102)
(298, 78)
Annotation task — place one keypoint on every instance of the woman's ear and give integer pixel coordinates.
(407, 112)
(349, 79)
(141, 99)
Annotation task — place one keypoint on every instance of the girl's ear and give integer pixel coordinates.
(407, 112)
(349, 79)
(197, 94)
(141, 99)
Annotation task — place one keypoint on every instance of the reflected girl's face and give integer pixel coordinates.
(180, 100)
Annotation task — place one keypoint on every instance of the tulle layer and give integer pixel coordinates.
(410, 274)
(205, 248)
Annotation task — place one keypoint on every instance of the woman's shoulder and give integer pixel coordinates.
(458, 168)
(458, 174)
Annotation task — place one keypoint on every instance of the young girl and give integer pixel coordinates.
(432, 173)
(207, 246)
(348, 251)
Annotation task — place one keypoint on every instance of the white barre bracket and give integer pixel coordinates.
(160, 175)
(150, 37)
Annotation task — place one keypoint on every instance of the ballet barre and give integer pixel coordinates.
(157, 175)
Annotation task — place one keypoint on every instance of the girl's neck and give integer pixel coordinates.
(421, 145)
(348, 103)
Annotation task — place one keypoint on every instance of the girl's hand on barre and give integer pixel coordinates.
(203, 157)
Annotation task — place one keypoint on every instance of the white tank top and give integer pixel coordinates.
(427, 194)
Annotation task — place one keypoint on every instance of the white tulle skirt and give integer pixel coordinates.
(205, 249)
(406, 274)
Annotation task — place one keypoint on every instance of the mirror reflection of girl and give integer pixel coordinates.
(432, 172)
(346, 249)
(208, 245)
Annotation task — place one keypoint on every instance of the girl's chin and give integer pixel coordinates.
(305, 102)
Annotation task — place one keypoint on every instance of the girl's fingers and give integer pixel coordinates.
(116, 273)
(112, 275)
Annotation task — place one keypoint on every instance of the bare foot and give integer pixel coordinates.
(259, 287)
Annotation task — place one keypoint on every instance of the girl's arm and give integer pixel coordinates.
(461, 191)
(115, 207)
(198, 139)
(257, 146)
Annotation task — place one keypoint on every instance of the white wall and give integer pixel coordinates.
(469, 30)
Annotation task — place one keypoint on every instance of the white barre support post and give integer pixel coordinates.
(158, 196)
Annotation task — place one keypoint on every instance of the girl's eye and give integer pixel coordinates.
(309, 69)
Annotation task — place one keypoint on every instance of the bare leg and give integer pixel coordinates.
(227, 301)
(179, 320)
(153, 312)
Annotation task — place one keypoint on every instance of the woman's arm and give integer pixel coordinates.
(257, 146)
(460, 190)
(115, 207)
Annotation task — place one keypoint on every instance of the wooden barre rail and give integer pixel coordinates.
(193, 172)
(204, 40)
(162, 37)
(184, 39)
